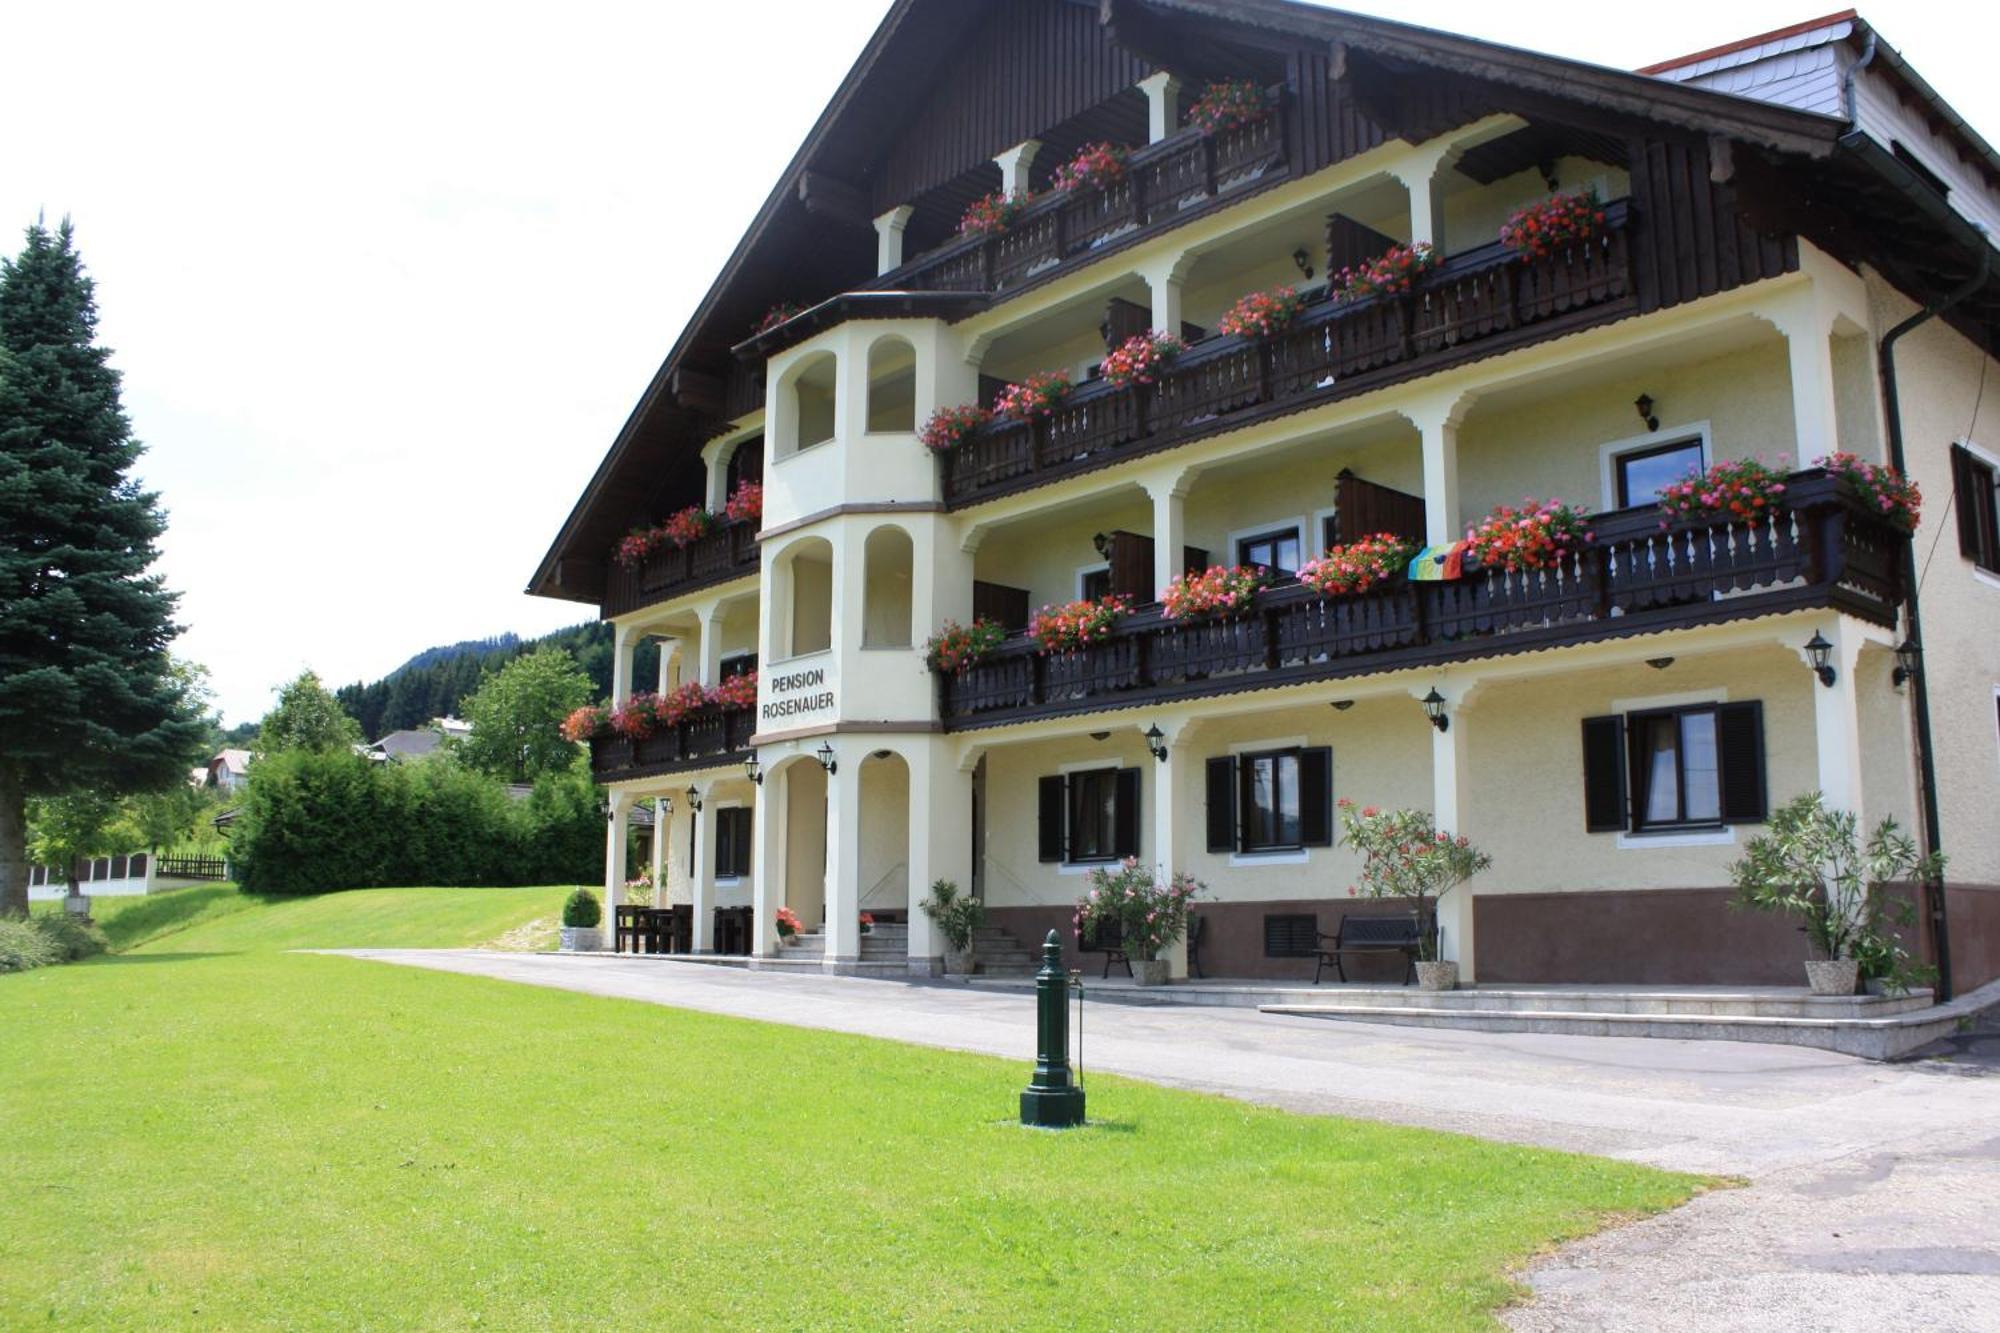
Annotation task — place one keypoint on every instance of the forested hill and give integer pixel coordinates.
(432, 683)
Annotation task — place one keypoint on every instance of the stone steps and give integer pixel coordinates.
(885, 951)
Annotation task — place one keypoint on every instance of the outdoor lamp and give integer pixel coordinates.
(1153, 738)
(1102, 544)
(753, 770)
(1909, 656)
(1434, 710)
(825, 756)
(1821, 653)
(694, 800)
(1645, 405)
(1303, 262)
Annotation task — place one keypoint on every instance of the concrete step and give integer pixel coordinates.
(1775, 1002)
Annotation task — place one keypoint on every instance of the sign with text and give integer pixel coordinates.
(801, 693)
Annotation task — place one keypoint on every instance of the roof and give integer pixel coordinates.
(234, 761)
(407, 744)
(785, 253)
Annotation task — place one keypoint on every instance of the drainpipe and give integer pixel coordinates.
(1919, 685)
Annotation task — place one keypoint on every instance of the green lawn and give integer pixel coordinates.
(364, 918)
(207, 1132)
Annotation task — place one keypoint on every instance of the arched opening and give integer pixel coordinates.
(812, 393)
(804, 795)
(805, 598)
(885, 605)
(892, 385)
(885, 834)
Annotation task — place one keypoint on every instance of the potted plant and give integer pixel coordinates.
(1359, 565)
(1885, 490)
(992, 214)
(867, 923)
(1540, 229)
(1392, 273)
(1150, 916)
(1262, 314)
(1228, 105)
(1404, 854)
(957, 920)
(950, 427)
(1812, 865)
(1074, 625)
(1096, 166)
(1140, 359)
(1746, 489)
(789, 927)
(1539, 535)
(580, 917)
(1036, 396)
(956, 647)
(1215, 593)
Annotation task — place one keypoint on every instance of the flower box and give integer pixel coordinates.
(1394, 272)
(1215, 593)
(1141, 359)
(1262, 314)
(1096, 166)
(1538, 535)
(1073, 625)
(1358, 566)
(1540, 230)
(1228, 105)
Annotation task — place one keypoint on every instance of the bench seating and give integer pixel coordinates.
(1369, 934)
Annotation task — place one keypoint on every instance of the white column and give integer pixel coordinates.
(711, 644)
(623, 638)
(843, 861)
(1450, 804)
(1837, 718)
(1169, 496)
(940, 841)
(767, 863)
(1014, 165)
(889, 238)
(1439, 421)
(663, 829)
(1421, 173)
(703, 886)
(1163, 105)
(1170, 842)
(715, 488)
(1808, 334)
(670, 664)
(1165, 282)
(616, 828)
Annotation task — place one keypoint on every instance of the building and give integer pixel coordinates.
(1612, 726)
(229, 770)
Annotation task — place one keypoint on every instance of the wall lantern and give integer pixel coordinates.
(666, 806)
(753, 770)
(1154, 737)
(694, 800)
(1659, 663)
(1102, 543)
(1342, 705)
(1821, 653)
(1303, 261)
(610, 813)
(1645, 406)
(826, 758)
(1909, 656)
(1434, 710)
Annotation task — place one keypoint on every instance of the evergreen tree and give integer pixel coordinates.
(89, 699)
(307, 718)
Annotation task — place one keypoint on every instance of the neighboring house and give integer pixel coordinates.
(406, 744)
(1613, 726)
(229, 770)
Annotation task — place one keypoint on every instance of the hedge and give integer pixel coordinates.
(312, 823)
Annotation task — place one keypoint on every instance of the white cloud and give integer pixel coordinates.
(384, 280)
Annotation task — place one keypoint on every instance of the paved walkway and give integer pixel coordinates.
(1874, 1194)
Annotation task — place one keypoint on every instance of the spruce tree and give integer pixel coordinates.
(89, 699)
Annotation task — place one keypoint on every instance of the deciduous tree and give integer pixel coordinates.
(516, 712)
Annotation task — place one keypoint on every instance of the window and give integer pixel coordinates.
(1271, 800)
(1094, 583)
(732, 842)
(1640, 475)
(1089, 816)
(1975, 484)
(1291, 935)
(1277, 551)
(738, 664)
(1667, 770)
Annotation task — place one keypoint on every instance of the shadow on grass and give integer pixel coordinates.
(126, 959)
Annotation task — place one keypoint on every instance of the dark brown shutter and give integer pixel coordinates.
(1604, 774)
(1123, 319)
(1194, 559)
(1363, 508)
(1052, 808)
(1131, 559)
(741, 865)
(1125, 815)
(1222, 804)
(1004, 606)
(1739, 740)
(1316, 797)
(1965, 498)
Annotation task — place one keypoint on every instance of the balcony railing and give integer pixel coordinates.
(1164, 183)
(711, 739)
(728, 552)
(1826, 550)
(1332, 350)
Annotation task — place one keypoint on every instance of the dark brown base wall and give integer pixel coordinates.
(1684, 937)
(1232, 942)
(1974, 914)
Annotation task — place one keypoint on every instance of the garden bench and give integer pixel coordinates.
(1105, 938)
(1369, 934)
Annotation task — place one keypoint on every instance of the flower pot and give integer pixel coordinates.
(1149, 972)
(582, 939)
(1437, 976)
(958, 962)
(1835, 977)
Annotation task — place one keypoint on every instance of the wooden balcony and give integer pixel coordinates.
(713, 739)
(729, 552)
(1165, 184)
(1637, 577)
(1476, 304)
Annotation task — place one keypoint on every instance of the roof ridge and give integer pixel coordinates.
(1745, 43)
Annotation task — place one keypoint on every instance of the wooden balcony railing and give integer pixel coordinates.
(1332, 350)
(1164, 183)
(711, 739)
(1636, 577)
(728, 552)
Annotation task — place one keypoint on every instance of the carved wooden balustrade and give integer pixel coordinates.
(712, 738)
(1826, 549)
(727, 552)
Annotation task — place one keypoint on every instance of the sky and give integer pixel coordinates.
(385, 280)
